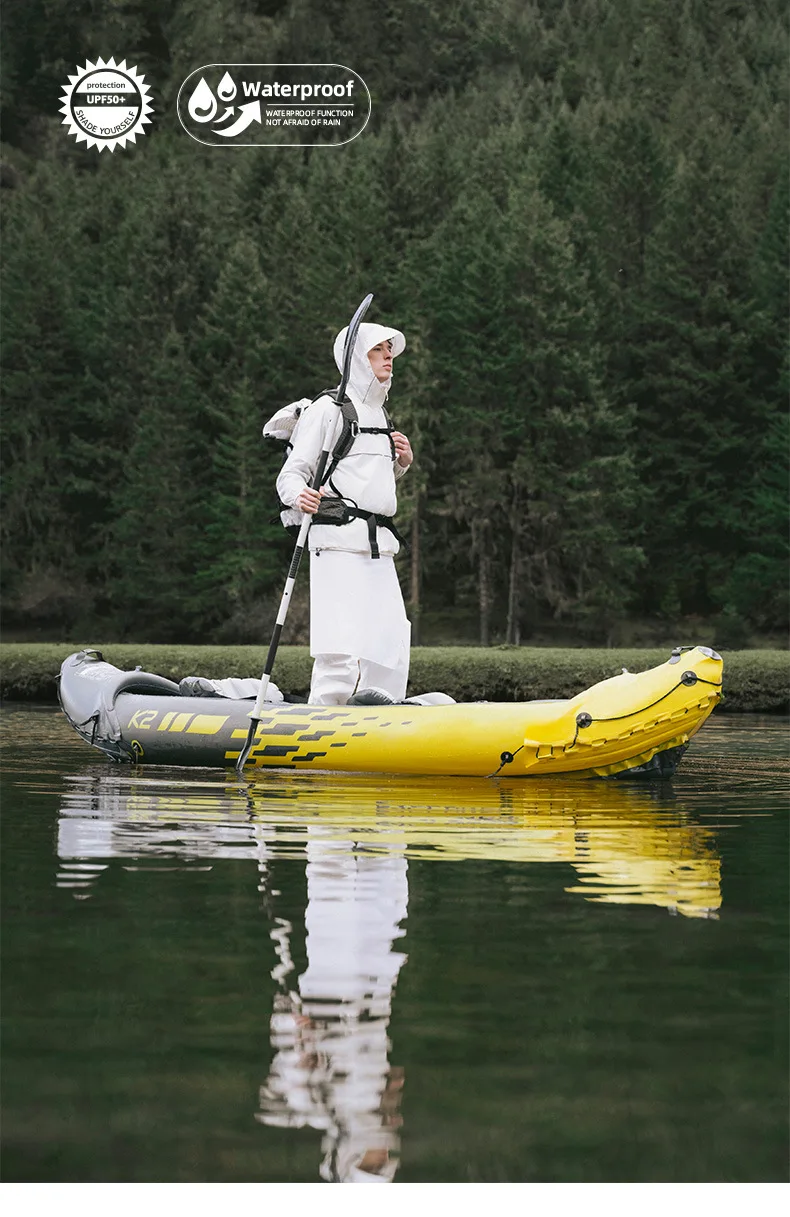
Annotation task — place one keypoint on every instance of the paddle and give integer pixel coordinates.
(301, 541)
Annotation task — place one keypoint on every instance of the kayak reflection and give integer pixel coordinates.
(628, 844)
(329, 1027)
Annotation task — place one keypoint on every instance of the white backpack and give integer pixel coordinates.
(281, 426)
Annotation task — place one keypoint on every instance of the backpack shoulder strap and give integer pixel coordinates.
(390, 429)
(348, 433)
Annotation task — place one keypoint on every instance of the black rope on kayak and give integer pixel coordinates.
(506, 758)
(585, 719)
(688, 679)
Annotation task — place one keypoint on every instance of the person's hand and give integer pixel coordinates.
(308, 500)
(402, 449)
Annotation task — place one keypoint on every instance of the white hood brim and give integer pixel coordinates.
(363, 388)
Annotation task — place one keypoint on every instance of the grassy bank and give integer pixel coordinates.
(754, 681)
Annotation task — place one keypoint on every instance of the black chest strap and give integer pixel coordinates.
(381, 431)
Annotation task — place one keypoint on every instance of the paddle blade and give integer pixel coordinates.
(351, 338)
(245, 752)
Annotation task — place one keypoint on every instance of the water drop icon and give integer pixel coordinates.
(226, 90)
(202, 103)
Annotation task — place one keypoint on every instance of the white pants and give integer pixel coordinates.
(336, 677)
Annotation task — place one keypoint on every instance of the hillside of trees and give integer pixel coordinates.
(576, 211)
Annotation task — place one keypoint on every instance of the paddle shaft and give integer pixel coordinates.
(301, 541)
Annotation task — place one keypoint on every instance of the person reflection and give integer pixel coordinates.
(330, 1069)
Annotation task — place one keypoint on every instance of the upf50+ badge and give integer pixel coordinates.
(106, 104)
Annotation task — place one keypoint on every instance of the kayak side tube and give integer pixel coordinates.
(618, 726)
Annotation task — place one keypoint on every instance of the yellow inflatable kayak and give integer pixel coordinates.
(633, 723)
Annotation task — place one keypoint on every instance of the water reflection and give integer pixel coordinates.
(329, 1027)
(330, 1049)
(627, 844)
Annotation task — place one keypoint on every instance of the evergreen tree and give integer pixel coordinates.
(241, 551)
(160, 508)
(535, 450)
(691, 376)
(757, 588)
(43, 403)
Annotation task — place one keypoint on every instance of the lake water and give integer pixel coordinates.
(297, 978)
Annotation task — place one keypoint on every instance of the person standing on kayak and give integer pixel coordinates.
(359, 631)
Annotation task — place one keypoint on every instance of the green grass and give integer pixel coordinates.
(754, 681)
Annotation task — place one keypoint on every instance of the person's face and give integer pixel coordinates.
(381, 360)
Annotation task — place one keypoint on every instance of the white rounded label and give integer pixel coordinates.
(273, 104)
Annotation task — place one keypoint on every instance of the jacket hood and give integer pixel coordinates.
(363, 388)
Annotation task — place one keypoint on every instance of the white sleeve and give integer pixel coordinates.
(298, 470)
(399, 469)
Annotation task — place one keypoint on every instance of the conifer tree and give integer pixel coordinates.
(757, 588)
(691, 377)
(159, 507)
(242, 547)
(46, 519)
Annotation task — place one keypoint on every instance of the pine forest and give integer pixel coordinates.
(575, 210)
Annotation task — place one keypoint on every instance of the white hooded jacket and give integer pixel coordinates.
(366, 476)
